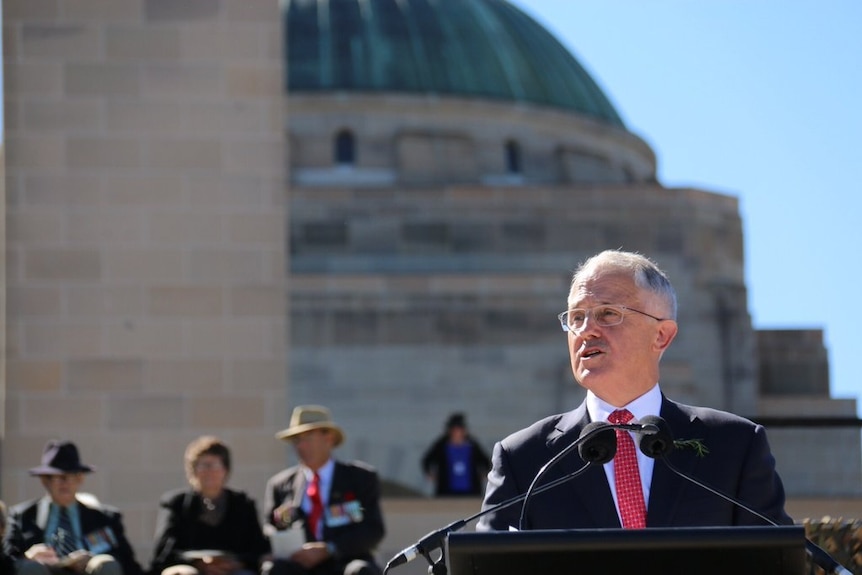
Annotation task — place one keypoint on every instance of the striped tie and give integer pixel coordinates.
(64, 537)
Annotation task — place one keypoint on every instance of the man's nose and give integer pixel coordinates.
(590, 326)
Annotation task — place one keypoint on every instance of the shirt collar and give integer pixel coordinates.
(647, 404)
(72, 508)
(325, 472)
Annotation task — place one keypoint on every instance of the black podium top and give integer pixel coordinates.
(679, 550)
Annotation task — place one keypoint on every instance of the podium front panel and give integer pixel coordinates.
(667, 551)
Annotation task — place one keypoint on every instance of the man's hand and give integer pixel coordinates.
(76, 560)
(217, 565)
(311, 554)
(43, 554)
(282, 515)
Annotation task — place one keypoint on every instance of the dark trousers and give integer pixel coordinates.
(330, 567)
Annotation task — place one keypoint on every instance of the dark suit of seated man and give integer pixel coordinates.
(621, 317)
(63, 532)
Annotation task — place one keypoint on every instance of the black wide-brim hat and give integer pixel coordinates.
(60, 457)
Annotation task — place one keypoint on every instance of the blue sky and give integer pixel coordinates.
(760, 100)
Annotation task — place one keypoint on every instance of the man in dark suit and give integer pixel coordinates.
(620, 319)
(334, 506)
(64, 531)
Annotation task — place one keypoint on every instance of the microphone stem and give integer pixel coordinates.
(434, 540)
(715, 491)
(817, 553)
(531, 490)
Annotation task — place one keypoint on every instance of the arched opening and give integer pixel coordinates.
(513, 157)
(345, 148)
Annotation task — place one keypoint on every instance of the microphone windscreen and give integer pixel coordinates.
(658, 444)
(600, 443)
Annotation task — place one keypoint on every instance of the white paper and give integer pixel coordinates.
(287, 542)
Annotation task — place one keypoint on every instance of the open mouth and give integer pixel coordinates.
(590, 353)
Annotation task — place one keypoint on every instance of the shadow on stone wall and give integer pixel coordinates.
(390, 488)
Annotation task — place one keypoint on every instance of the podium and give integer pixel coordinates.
(764, 550)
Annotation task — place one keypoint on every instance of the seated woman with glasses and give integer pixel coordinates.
(208, 529)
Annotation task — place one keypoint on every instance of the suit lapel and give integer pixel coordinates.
(298, 488)
(589, 491)
(340, 484)
(668, 489)
(43, 508)
(297, 483)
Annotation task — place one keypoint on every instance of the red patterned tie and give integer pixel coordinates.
(630, 496)
(316, 514)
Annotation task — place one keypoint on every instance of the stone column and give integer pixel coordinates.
(146, 242)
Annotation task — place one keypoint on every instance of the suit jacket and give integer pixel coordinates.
(178, 529)
(27, 522)
(353, 518)
(739, 463)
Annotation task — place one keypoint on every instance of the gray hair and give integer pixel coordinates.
(645, 273)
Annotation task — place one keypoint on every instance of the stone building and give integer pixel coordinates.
(404, 233)
(450, 164)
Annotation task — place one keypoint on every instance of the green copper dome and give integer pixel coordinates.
(467, 48)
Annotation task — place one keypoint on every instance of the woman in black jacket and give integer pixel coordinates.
(208, 529)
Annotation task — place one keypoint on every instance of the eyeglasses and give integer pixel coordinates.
(307, 435)
(208, 465)
(573, 320)
(62, 478)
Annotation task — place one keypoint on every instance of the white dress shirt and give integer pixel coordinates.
(647, 404)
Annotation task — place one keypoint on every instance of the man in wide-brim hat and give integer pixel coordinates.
(63, 532)
(336, 504)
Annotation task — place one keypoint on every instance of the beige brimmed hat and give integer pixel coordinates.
(309, 417)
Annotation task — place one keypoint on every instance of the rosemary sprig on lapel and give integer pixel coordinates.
(698, 445)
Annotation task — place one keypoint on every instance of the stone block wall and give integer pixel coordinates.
(793, 362)
(445, 298)
(145, 253)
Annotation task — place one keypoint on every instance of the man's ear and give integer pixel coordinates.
(665, 333)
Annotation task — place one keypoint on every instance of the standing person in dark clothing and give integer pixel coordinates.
(455, 462)
(209, 529)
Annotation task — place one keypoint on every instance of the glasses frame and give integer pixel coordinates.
(208, 465)
(588, 313)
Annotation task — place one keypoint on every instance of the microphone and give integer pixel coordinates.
(648, 428)
(599, 446)
(660, 444)
(656, 445)
(596, 444)
(430, 542)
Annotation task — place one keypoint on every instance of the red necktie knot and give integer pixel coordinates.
(620, 416)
